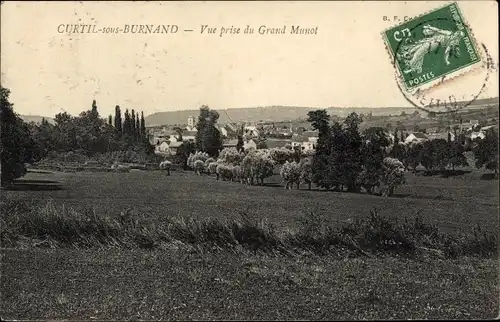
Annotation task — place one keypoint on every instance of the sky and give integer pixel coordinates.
(344, 64)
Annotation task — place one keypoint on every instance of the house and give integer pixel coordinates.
(191, 121)
(250, 144)
(231, 127)
(470, 126)
(230, 143)
(312, 136)
(162, 148)
(304, 142)
(222, 130)
(251, 130)
(174, 146)
(277, 143)
(158, 136)
(416, 137)
(188, 135)
(479, 134)
(443, 136)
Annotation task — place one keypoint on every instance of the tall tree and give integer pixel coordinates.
(321, 176)
(127, 126)
(435, 154)
(240, 144)
(94, 107)
(208, 137)
(486, 151)
(138, 127)
(375, 141)
(352, 160)
(143, 125)
(110, 120)
(457, 157)
(16, 144)
(118, 120)
(133, 131)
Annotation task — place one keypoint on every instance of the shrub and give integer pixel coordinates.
(212, 167)
(207, 163)
(193, 157)
(199, 166)
(236, 173)
(306, 171)
(23, 224)
(230, 156)
(224, 171)
(392, 175)
(281, 155)
(261, 166)
(165, 164)
(290, 174)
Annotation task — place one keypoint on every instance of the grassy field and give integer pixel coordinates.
(454, 203)
(178, 282)
(174, 285)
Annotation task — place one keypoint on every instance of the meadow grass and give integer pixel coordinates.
(48, 225)
(143, 245)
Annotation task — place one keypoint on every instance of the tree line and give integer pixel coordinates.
(346, 158)
(86, 134)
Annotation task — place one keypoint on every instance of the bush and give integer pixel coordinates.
(212, 167)
(230, 156)
(281, 155)
(193, 157)
(392, 175)
(290, 174)
(224, 171)
(199, 166)
(23, 224)
(207, 163)
(306, 171)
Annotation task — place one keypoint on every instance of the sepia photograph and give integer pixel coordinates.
(249, 160)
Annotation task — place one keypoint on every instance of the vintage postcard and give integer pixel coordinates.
(249, 160)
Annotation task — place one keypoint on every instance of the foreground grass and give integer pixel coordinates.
(30, 225)
(179, 285)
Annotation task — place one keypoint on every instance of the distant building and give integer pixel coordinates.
(443, 136)
(231, 127)
(250, 144)
(416, 137)
(251, 130)
(166, 148)
(477, 135)
(191, 121)
(230, 143)
(470, 126)
(174, 146)
(247, 144)
(188, 135)
(306, 141)
(223, 131)
(163, 148)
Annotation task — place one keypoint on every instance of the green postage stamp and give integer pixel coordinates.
(429, 48)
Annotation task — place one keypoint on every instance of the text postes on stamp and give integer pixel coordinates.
(431, 47)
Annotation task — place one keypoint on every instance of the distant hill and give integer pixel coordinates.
(270, 113)
(36, 118)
